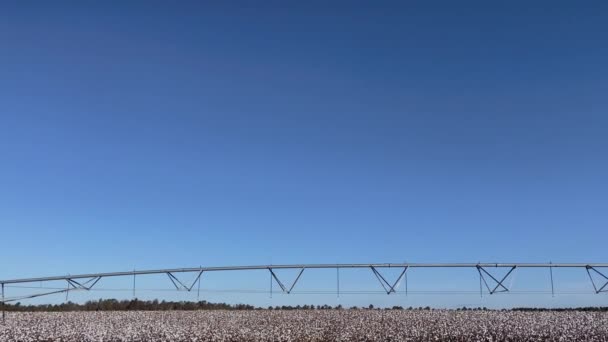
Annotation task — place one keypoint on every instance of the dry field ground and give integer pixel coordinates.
(314, 325)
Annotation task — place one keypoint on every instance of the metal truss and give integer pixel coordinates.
(284, 288)
(83, 286)
(385, 284)
(493, 284)
(181, 286)
(497, 285)
(603, 288)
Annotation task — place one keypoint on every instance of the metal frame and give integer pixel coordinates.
(492, 283)
(281, 285)
(385, 284)
(499, 283)
(308, 266)
(181, 286)
(593, 268)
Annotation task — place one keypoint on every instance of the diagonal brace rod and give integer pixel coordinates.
(173, 279)
(380, 279)
(277, 280)
(296, 280)
(481, 277)
(195, 280)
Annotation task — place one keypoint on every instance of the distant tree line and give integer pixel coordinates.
(156, 305)
(128, 305)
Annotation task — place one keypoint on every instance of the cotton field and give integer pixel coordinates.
(307, 325)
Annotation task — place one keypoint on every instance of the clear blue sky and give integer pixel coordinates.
(162, 134)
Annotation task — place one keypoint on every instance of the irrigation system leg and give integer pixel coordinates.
(198, 290)
(480, 286)
(552, 287)
(3, 312)
(338, 282)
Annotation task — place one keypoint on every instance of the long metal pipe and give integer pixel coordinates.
(304, 266)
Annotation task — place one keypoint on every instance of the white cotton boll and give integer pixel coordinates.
(300, 325)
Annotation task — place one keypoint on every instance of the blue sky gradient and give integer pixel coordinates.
(158, 134)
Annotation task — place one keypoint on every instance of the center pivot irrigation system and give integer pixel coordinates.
(493, 284)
